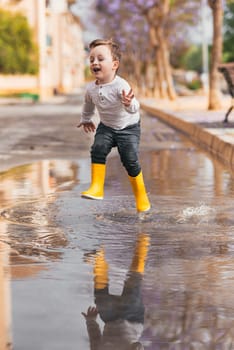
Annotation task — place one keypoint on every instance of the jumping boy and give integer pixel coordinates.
(119, 121)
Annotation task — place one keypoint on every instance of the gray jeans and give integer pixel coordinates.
(127, 142)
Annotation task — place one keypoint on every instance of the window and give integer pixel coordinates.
(49, 40)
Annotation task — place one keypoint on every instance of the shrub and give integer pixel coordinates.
(18, 51)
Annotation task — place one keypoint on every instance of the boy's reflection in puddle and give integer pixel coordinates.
(123, 315)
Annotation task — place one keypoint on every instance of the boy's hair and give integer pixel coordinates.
(114, 47)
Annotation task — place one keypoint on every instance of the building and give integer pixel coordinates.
(58, 33)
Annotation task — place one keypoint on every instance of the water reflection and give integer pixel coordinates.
(27, 226)
(195, 313)
(5, 300)
(186, 172)
(123, 315)
(36, 180)
(28, 235)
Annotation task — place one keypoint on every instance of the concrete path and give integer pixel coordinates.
(191, 116)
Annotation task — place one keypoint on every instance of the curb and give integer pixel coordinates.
(219, 148)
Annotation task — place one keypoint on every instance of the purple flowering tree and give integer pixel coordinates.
(121, 21)
(148, 31)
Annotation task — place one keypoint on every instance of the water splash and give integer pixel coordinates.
(201, 213)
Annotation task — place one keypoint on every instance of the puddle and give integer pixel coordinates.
(59, 251)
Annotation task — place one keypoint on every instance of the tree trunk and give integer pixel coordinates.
(167, 81)
(158, 63)
(156, 18)
(160, 73)
(216, 54)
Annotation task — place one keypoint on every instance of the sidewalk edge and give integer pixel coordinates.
(224, 151)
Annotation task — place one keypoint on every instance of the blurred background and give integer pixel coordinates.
(170, 47)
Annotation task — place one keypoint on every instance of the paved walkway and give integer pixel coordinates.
(187, 114)
(206, 128)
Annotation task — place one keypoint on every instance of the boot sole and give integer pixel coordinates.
(89, 196)
(145, 210)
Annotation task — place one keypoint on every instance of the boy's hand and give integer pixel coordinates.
(88, 126)
(127, 98)
(91, 313)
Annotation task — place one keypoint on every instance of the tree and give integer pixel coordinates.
(228, 49)
(122, 22)
(216, 53)
(18, 52)
(157, 16)
(150, 28)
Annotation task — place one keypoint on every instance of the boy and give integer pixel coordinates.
(119, 121)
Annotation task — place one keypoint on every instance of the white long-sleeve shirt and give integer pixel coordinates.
(107, 99)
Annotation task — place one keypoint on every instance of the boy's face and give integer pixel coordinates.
(102, 65)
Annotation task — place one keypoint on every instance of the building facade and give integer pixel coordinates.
(58, 33)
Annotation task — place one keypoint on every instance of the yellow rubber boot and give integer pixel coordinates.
(138, 186)
(96, 189)
(100, 271)
(140, 254)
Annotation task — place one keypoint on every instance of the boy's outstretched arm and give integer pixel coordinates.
(93, 328)
(86, 115)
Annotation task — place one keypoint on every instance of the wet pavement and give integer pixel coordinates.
(55, 247)
(205, 127)
(33, 132)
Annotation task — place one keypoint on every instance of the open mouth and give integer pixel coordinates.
(96, 69)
